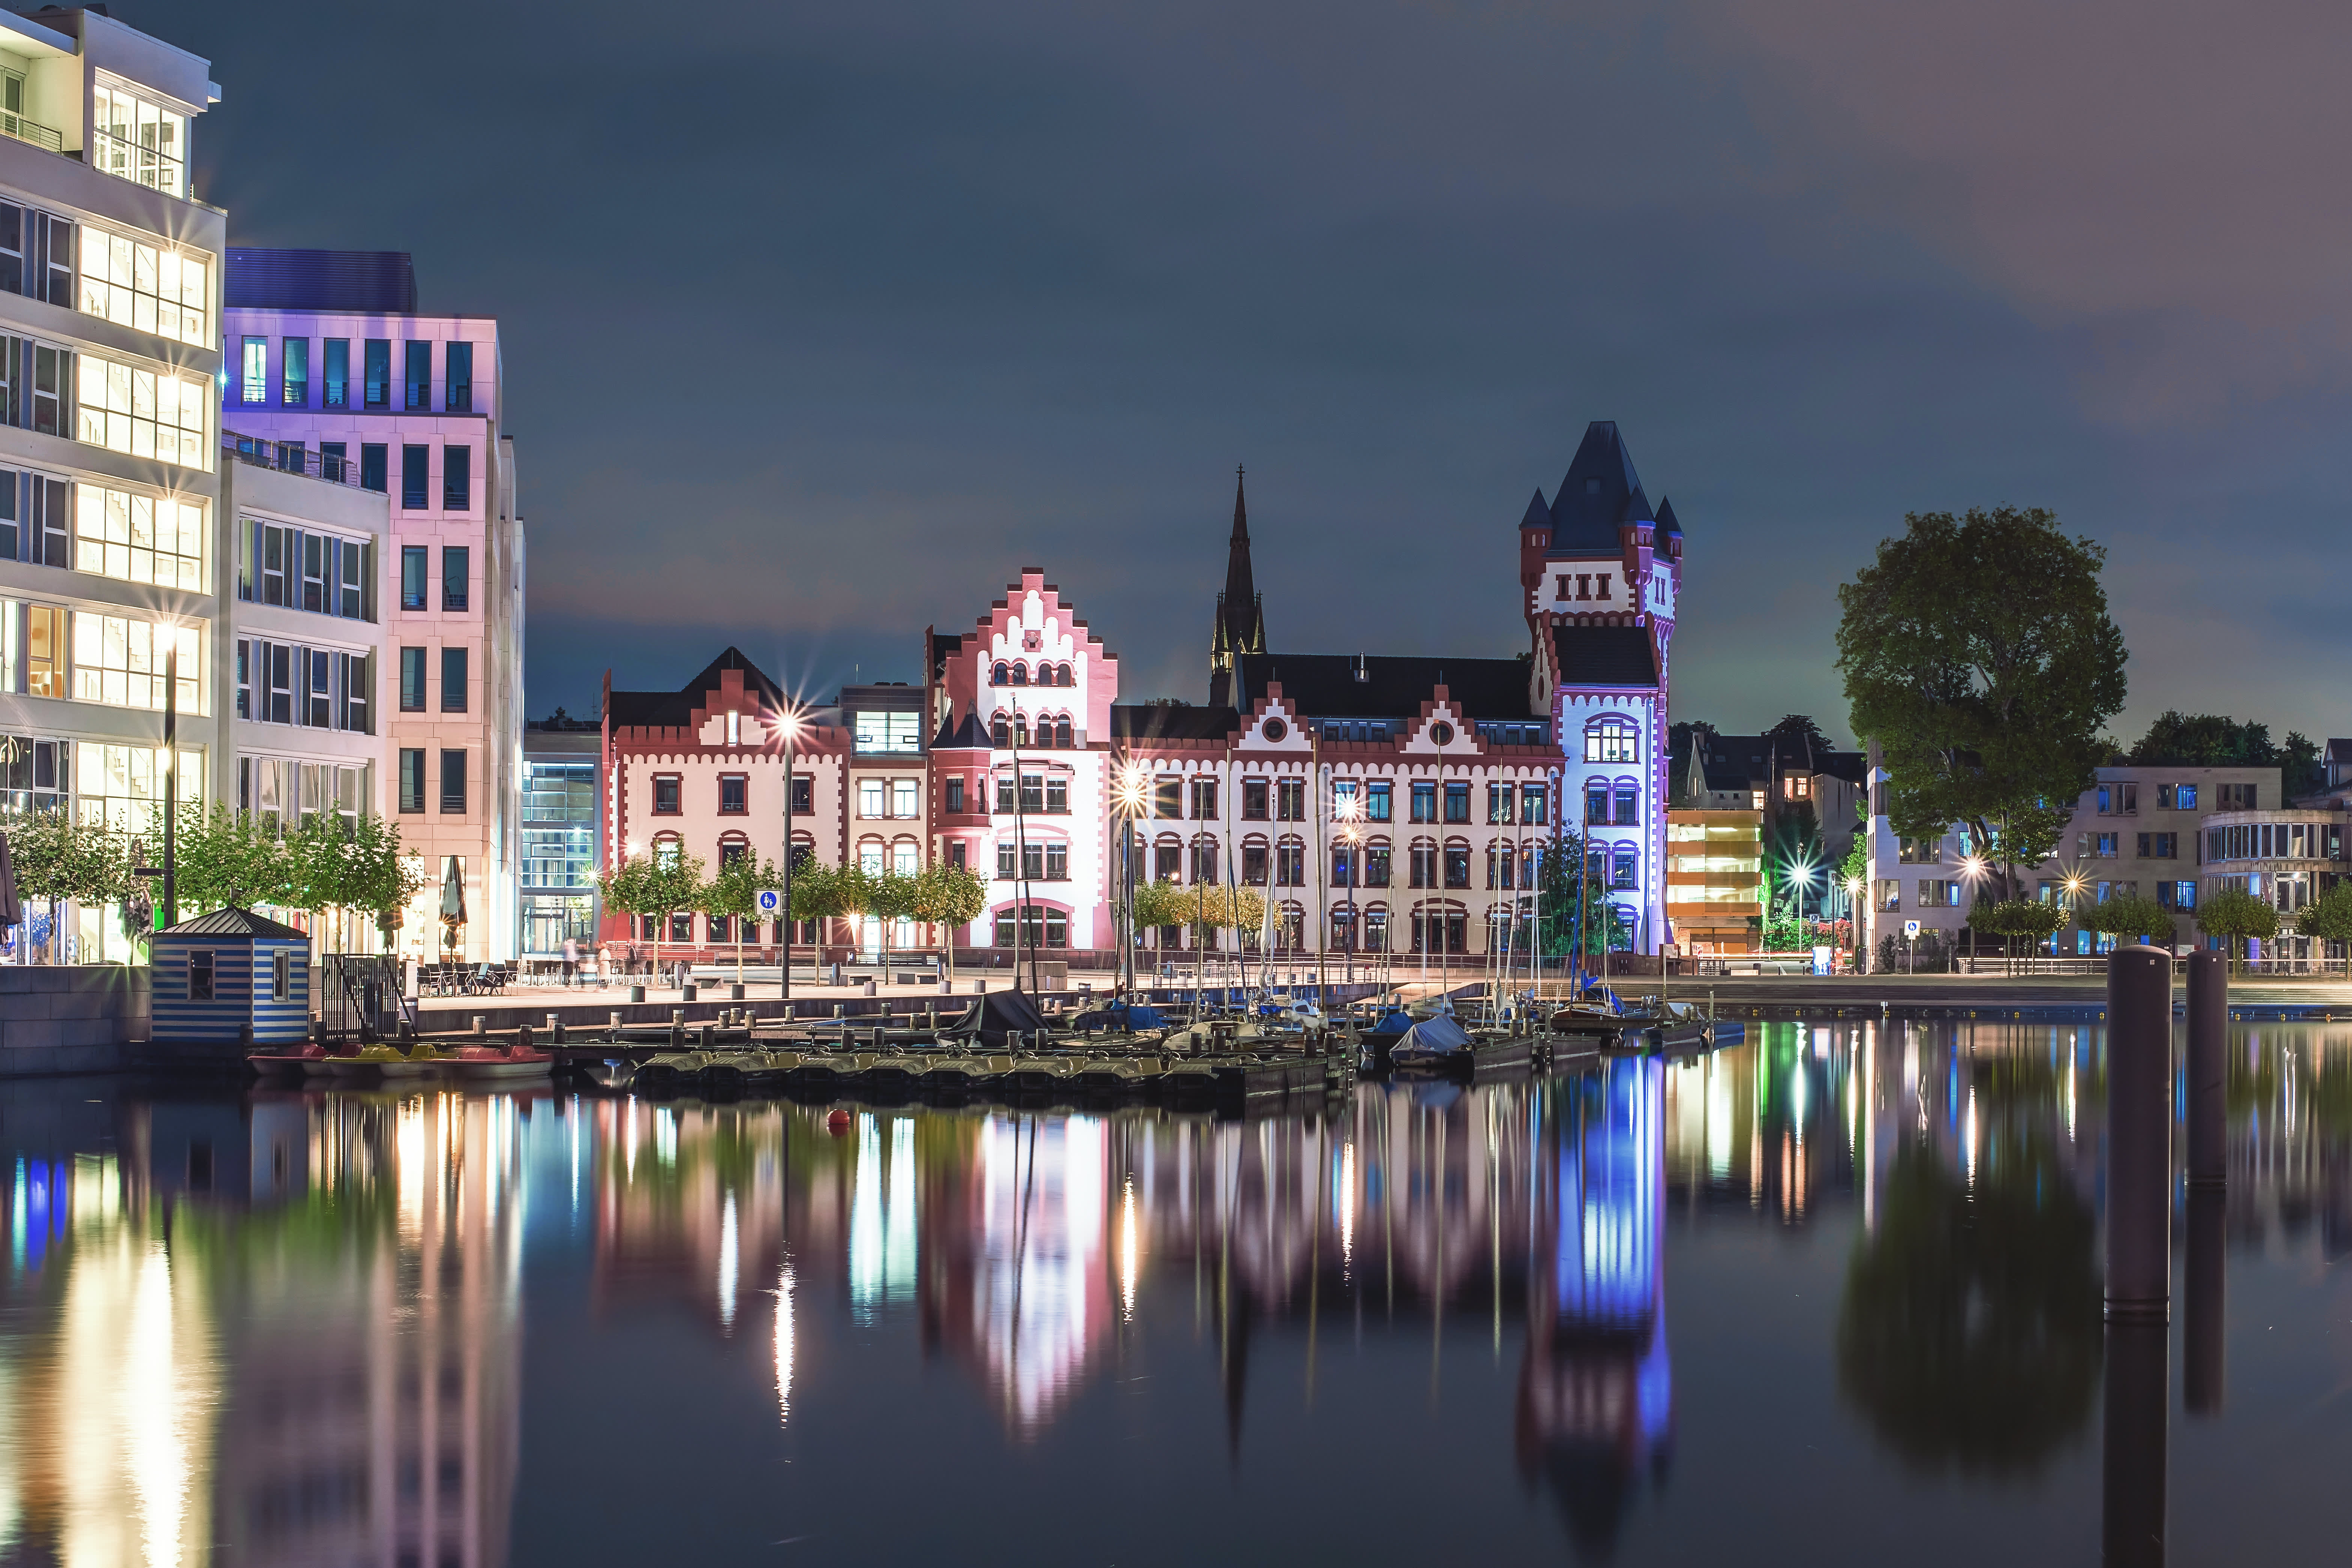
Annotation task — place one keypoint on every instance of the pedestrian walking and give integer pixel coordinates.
(570, 961)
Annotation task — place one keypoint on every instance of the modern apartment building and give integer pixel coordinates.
(557, 895)
(113, 547)
(2136, 830)
(1715, 880)
(330, 368)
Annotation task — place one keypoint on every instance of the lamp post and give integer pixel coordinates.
(1853, 917)
(170, 774)
(1128, 794)
(1972, 870)
(788, 728)
(1350, 813)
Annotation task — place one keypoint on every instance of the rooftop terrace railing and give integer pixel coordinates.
(289, 457)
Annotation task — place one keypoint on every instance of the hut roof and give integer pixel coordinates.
(234, 922)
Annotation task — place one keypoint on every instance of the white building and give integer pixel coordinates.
(332, 368)
(113, 548)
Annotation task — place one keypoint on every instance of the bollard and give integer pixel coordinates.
(613, 1022)
(555, 1033)
(678, 1014)
(636, 993)
(840, 1010)
(2208, 1035)
(2131, 1512)
(869, 987)
(2205, 1307)
(735, 991)
(2139, 1134)
(881, 1036)
(687, 992)
(522, 1038)
(481, 1025)
(551, 1023)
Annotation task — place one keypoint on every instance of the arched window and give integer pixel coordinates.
(998, 733)
(1020, 675)
(1062, 731)
(1068, 679)
(1626, 858)
(1020, 729)
(1596, 802)
(1629, 805)
(1000, 675)
(1612, 738)
(1205, 864)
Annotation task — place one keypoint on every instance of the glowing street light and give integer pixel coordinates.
(1349, 814)
(787, 725)
(1972, 870)
(1130, 792)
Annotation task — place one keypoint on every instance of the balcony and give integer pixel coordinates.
(289, 457)
(33, 131)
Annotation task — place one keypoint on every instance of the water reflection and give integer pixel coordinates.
(287, 1328)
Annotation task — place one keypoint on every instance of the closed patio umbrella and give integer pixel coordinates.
(12, 908)
(453, 895)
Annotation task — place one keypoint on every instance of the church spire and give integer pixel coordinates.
(1240, 625)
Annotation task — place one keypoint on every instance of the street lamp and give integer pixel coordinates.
(1350, 813)
(1972, 870)
(788, 724)
(1853, 917)
(1129, 792)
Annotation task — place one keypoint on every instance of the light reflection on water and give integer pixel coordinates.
(291, 1327)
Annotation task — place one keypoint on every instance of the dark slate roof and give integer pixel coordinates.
(1669, 526)
(1846, 765)
(234, 922)
(2339, 751)
(1588, 655)
(1601, 491)
(1324, 685)
(670, 710)
(360, 282)
(1538, 514)
(1155, 721)
(969, 736)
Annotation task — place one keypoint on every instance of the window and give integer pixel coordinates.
(118, 662)
(1290, 864)
(1457, 868)
(1425, 802)
(734, 795)
(456, 588)
(1420, 866)
(412, 577)
(1937, 895)
(900, 733)
(1457, 801)
(2100, 846)
(1057, 862)
(144, 413)
(36, 257)
(804, 794)
(453, 680)
(420, 375)
(2233, 796)
(1168, 798)
(415, 478)
(2184, 798)
(1376, 866)
(282, 980)
(1610, 739)
(135, 539)
(377, 370)
(2120, 799)
(1628, 811)
(131, 282)
(458, 375)
(136, 140)
(1376, 803)
(373, 466)
(1886, 895)
(1205, 799)
(1254, 800)
(2159, 846)
(1290, 800)
(51, 371)
(456, 478)
(294, 372)
(200, 974)
(870, 799)
(954, 795)
(336, 366)
(1254, 865)
(334, 462)
(1500, 800)
(412, 680)
(1532, 803)
(1596, 803)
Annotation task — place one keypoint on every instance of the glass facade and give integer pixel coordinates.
(558, 891)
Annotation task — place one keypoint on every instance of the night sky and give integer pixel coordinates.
(822, 321)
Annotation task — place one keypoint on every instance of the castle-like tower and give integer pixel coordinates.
(1601, 572)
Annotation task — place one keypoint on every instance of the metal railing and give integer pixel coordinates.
(289, 457)
(31, 130)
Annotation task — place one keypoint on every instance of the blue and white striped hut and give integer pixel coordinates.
(214, 975)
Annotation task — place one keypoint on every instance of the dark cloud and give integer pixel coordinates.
(822, 321)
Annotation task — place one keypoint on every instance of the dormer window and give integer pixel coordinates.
(1593, 486)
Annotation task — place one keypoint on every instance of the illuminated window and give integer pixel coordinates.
(137, 140)
(137, 538)
(146, 413)
(1611, 740)
(119, 661)
(148, 288)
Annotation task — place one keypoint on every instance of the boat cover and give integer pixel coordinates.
(1431, 1039)
(1133, 1016)
(993, 1016)
(1395, 1021)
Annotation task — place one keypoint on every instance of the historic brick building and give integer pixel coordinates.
(1382, 803)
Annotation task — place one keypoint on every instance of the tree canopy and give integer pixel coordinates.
(2237, 914)
(2215, 740)
(1978, 652)
(2328, 917)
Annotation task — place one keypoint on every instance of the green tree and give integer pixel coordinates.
(2130, 915)
(2328, 917)
(1159, 905)
(734, 894)
(380, 877)
(1978, 652)
(58, 860)
(890, 896)
(223, 859)
(2015, 917)
(951, 897)
(1562, 885)
(2236, 916)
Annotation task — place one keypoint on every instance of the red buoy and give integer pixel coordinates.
(837, 1124)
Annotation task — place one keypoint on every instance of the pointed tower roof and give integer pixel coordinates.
(1539, 516)
(1670, 528)
(1240, 624)
(1601, 491)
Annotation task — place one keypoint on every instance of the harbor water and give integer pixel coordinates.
(1833, 1295)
